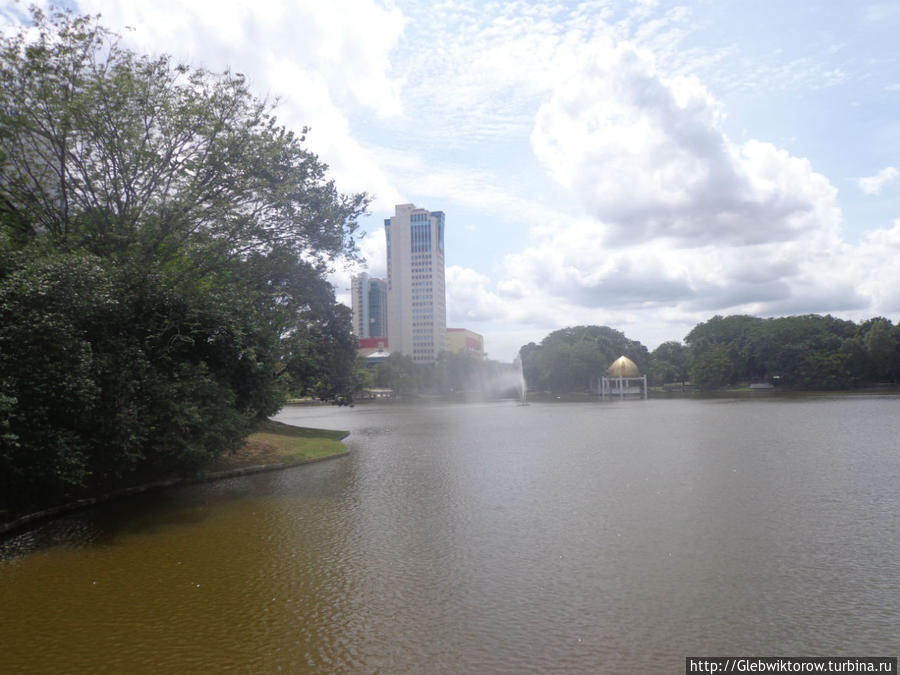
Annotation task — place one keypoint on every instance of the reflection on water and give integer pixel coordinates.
(616, 537)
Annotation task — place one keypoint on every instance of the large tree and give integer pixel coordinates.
(670, 362)
(116, 152)
(163, 250)
(572, 359)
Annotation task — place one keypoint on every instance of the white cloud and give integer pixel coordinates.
(476, 70)
(872, 185)
(331, 39)
(572, 269)
(372, 250)
(681, 222)
(876, 270)
(881, 12)
(654, 219)
(646, 155)
(438, 182)
(469, 298)
(318, 58)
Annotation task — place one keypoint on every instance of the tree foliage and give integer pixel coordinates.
(571, 359)
(670, 362)
(112, 151)
(400, 373)
(163, 251)
(807, 352)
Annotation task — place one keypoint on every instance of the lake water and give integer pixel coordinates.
(490, 538)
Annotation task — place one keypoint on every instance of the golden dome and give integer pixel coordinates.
(623, 367)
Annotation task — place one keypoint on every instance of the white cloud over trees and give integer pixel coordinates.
(677, 214)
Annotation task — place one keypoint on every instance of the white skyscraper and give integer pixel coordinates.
(417, 308)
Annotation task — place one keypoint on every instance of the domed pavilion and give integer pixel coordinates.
(623, 378)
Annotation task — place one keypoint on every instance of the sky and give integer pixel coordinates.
(639, 164)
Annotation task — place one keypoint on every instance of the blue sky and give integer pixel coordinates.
(638, 164)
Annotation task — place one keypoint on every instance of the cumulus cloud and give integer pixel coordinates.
(331, 39)
(647, 156)
(373, 260)
(875, 267)
(679, 221)
(766, 279)
(654, 218)
(469, 297)
(440, 181)
(317, 58)
(872, 185)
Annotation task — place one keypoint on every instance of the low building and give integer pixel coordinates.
(464, 341)
(375, 350)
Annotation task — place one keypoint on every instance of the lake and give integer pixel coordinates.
(490, 538)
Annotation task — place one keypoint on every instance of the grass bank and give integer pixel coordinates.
(274, 446)
(278, 443)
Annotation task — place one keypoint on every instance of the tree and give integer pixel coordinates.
(397, 372)
(571, 359)
(759, 348)
(670, 362)
(881, 348)
(363, 376)
(713, 368)
(823, 369)
(163, 251)
(122, 153)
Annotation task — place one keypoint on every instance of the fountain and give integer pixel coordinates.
(523, 388)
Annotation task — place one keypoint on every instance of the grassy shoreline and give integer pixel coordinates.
(273, 446)
(279, 443)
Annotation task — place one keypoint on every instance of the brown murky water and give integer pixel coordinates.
(615, 537)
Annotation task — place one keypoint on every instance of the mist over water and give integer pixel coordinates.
(501, 381)
(490, 537)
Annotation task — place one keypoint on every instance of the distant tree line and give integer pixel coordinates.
(809, 351)
(804, 352)
(163, 251)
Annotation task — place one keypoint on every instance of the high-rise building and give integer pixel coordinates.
(417, 307)
(369, 303)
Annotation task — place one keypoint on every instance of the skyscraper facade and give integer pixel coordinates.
(368, 298)
(417, 306)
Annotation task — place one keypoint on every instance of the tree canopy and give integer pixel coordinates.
(571, 359)
(163, 250)
(806, 352)
(810, 351)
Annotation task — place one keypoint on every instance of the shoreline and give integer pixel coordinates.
(242, 462)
